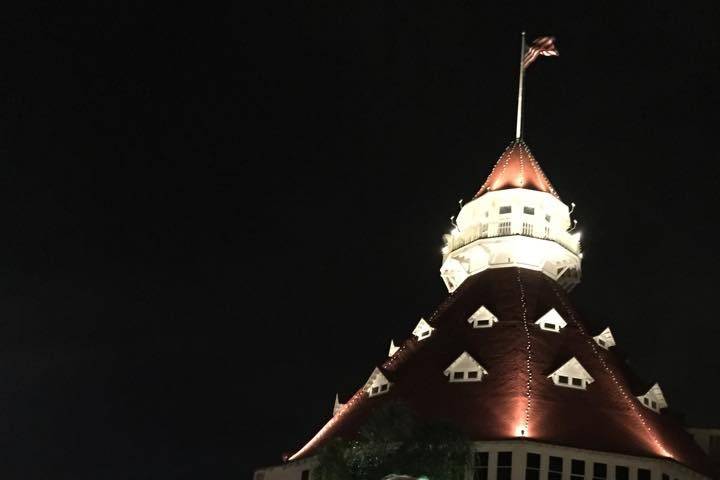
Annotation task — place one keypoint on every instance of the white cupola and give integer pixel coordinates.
(465, 369)
(516, 219)
(605, 339)
(654, 399)
(377, 384)
(572, 375)
(551, 321)
(482, 318)
(422, 330)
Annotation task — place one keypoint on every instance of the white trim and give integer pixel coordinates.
(422, 330)
(654, 399)
(605, 339)
(482, 318)
(377, 384)
(572, 375)
(465, 369)
(551, 321)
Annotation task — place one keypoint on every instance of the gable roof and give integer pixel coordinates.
(482, 313)
(464, 362)
(573, 368)
(552, 316)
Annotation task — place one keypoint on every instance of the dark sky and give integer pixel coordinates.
(217, 217)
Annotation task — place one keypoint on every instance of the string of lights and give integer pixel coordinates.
(629, 398)
(525, 431)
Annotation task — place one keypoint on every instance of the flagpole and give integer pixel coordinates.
(518, 124)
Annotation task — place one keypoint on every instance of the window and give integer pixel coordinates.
(601, 342)
(529, 210)
(547, 218)
(472, 374)
(577, 382)
(465, 369)
(646, 401)
(459, 375)
(562, 379)
(622, 473)
(555, 468)
(383, 387)
(504, 466)
(305, 475)
(504, 228)
(481, 323)
(505, 209)
(577, 469)
(654, 405)
(572, 375)
(532, 467)
(480, 466)
(550, 326)
(527, 229)
(375, 390)
(599, 471)
(643, 474)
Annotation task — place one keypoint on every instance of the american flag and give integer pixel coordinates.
(540, 46)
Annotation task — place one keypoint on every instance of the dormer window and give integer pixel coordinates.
(393, 348)
(505, 209)
(529, 210)
(482, 318)
(465, 369)
(423, 330)
(605, 339)
(551, 321)
(572, 375)
(654, 399)
(377, 384)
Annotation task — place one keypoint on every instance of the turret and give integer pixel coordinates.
(516, 219)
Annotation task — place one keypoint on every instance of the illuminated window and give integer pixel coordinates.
(529, 211)
(532, 467)
(599, 471)
(555, 468)
(577, 469)
(480, 466)
(504, 466)
(622, 473)
(643, 474)
(505, 209)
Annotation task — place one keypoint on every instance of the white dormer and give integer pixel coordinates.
(337, 406)
(654, 399)
(465, 369)
(605, 339)
(422, 330)
(482, 318)
(377, 384)
(551, 321)
(572, 375)
(393, 348)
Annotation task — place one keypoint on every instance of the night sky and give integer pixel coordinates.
(215, 218)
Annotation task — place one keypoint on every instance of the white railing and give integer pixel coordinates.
(505, 228)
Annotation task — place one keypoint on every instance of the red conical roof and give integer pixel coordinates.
(517, 168)
(517, 393)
